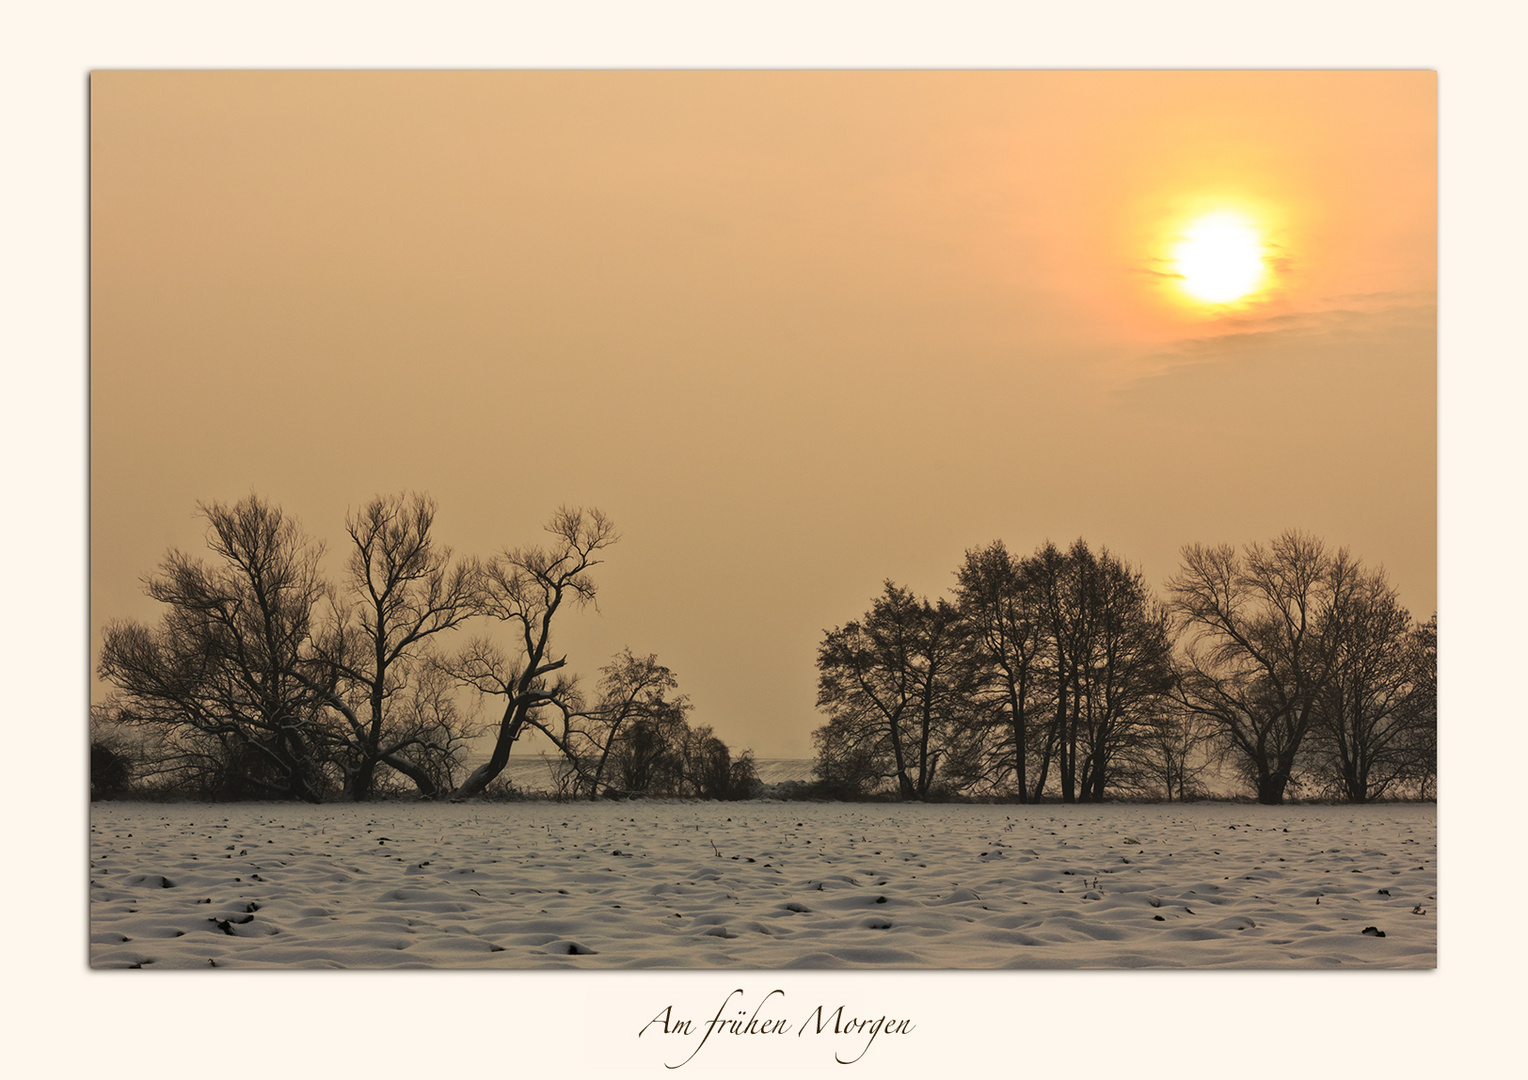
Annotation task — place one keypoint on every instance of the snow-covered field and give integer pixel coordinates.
(761, 885)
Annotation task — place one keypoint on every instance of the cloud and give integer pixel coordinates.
(1367, 318)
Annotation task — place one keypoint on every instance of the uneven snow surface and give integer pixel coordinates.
(761, 885)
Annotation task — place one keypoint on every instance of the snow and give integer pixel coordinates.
(635, 885)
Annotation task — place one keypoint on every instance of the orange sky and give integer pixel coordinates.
(795, 332)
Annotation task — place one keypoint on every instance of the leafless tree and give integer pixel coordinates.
(524, 589)
(1102, 667)
(647, 756)
(708, 770)
(1257, 658)
(637, 740)
(112, 757)
(1365, 737)
(227, 673)
(1174, 754)
(998, 605)
(743, 777)
(889, 685)
(1127, 675)
(662, 755)
(1423, 650)
(403, 589)
(849, 762)
(631, 690)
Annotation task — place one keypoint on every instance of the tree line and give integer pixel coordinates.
(263, 679)
(1060, 675)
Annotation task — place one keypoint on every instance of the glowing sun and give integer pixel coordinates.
(1220, 258)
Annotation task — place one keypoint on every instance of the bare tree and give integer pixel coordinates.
(998, 605)
(889, 685)
(708, 769)
(227, 673)
(1063, 610)
(1423, 650)
(404, 589)
(1127, 674)
(647, 756)
(662, 755)
(1257, 659)
(1173, 755)
(743, 777)
(849, 760)
(1101, 663)
(525, 589)
(111, 755)
(1364, 739)
(631, 690)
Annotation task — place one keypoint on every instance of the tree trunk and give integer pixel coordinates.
(486, 773)
(292, 753)
(421, 779)
(361, 779)
(1020, 744)
(1065, 746)
(1044, 772)
(599, 769)
(1270, 788)
(365, 776)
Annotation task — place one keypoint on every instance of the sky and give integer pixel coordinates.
(795, 332)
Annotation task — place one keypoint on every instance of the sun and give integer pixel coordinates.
(1220, 258)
